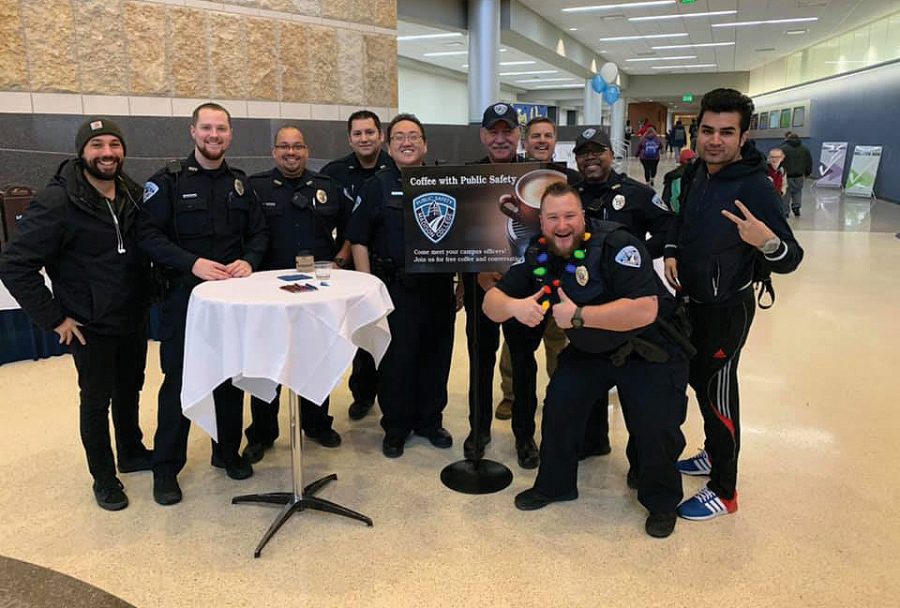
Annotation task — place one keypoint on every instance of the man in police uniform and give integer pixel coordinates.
(608, 195)
(82, 228)
(414, 372)
(302, 209)
(604, 293)
(540, 145)
(350, 172)
(200, 222)
(500, 137)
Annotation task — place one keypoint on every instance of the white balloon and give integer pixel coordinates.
(609, 72)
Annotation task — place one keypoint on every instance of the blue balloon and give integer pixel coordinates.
(598, 84)
(611, 94)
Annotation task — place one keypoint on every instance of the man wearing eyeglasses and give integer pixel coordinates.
(608, 195)
(350, 172)
(303, 211)
(414, 372)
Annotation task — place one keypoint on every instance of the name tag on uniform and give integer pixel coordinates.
(191, 195)
(395, 193)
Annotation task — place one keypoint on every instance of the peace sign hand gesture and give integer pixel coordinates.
(751, 230)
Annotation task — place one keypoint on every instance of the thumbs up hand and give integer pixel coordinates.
(529, 311)
(563, 311)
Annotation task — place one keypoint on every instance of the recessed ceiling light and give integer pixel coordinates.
(688, 46)
(544, 80)
(573, 29)
(765, 22)
(683, 16)
(795, 32)
(681, 67)
(644, 37)
(606, 7)
(664, 58)
(428, 36)
(618, 17)
(529, 73)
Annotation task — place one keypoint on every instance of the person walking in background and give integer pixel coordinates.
(797, 165)
(778, 177)
(672, 180)
(679, 136)
(648, 152)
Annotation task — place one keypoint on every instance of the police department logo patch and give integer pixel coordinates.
(434, 213)
(588, 133)
(658, 201)
(501, 108)
(618, 202)
(149, 190)
(629, 256)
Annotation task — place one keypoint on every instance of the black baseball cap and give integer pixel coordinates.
(497, 112)
(592, 135)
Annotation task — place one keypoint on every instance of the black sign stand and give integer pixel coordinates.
(478, 475)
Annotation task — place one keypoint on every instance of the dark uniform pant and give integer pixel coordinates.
(719, 335)
(364, 377)
(654, 402)
(264, 428)
(481, 380)
(523, 341)
(413, 376)
(170, 442)
(110, 369)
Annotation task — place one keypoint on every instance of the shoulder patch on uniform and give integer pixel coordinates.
(629, 256)
(659, 202)
(150, 189)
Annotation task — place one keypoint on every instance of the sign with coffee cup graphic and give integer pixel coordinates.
(473, 218)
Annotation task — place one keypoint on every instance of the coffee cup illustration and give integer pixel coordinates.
(524, 206)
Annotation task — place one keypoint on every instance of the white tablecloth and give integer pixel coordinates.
(260, 336)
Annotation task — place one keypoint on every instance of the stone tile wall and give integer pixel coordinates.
(325, 52)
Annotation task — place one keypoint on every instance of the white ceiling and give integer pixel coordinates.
(753, 45)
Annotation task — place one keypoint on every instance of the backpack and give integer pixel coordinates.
(762, 276)
(651, 149)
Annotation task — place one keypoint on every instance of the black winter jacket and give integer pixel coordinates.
(714, 264)
(98, 275)
(797, 159)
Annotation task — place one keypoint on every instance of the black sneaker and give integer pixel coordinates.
(469, 446)
(166, 490)
(254, 451)
(531, 500)
(796, 212)
(439, 437)
(110, 495)
(527, 453)
(359, 409)
(142, 461)
(328, 438)
(660, 525)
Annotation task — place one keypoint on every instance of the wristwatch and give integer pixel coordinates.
(771, 246)
(577, 319)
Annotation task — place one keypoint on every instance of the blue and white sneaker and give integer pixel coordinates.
(696, 465)
(706, 504)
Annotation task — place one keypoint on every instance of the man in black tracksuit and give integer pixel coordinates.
(200, 222)
(610, 196)
(350, 172)
(82, 229)
(729, 228)
(302, 210)
(797, 166)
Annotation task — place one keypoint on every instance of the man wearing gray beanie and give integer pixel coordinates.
(82, 229)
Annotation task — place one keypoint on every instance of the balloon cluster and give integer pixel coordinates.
(602, 83)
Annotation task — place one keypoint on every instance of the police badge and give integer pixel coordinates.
(582, 276)
(239, 187)
(618, 202)
(434, 213)
(501, 108)
(321, 196)
(589, 133)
